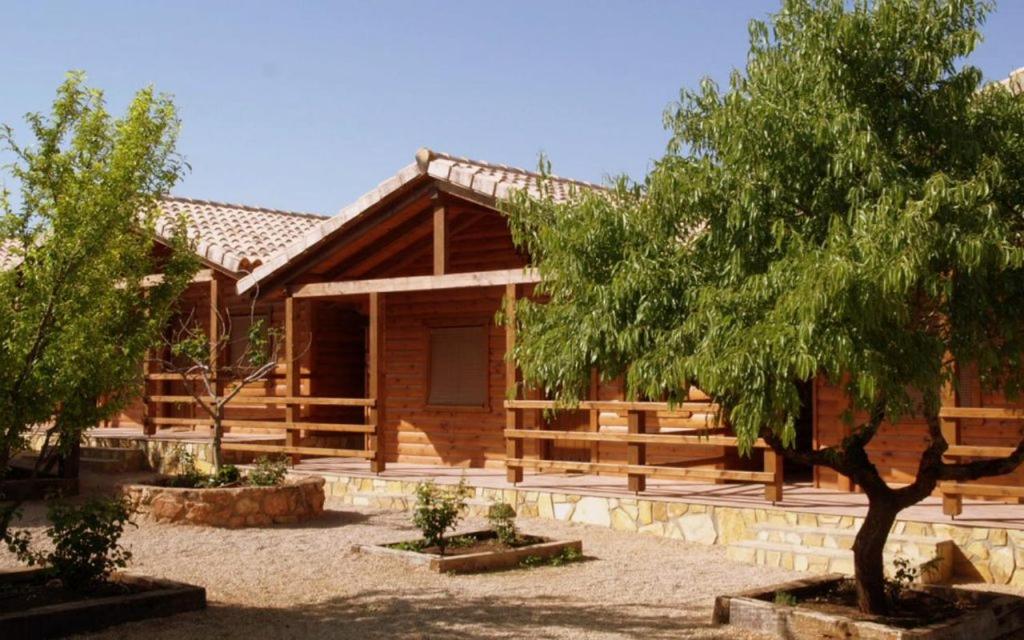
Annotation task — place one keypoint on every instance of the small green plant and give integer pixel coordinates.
(268, 472)
(228, 474)
(188, 474)
(904, 575)
(86, 541)
(565, 556)
(502, 517)
(785, 598)
(438, 510)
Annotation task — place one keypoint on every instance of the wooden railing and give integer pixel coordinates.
(291, 428)
(953, 492)
(637, 440)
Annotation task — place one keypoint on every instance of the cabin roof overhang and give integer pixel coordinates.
(482, 183)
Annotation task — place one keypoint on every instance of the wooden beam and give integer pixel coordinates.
(617, 405)
(418, 283)
(636, 452)
(296, 451)
(291, 380)
(513, 417)
(594, 415)
(654, 471)
(276, 400)
(773, 466)
(647, 438)
(153, 279)
(375, 414)
(440, 239)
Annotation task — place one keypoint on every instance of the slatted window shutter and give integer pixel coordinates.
(458, 366)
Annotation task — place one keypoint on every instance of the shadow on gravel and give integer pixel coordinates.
(436, 614)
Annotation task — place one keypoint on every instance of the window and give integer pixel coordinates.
(458, 366)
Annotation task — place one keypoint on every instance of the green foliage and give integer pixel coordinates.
(268, 472)
(565, 556)
(438, 511)
(227, 474)
(502, 517)
(75, 323)
(785, 598)
(848, 206)
(85, 538)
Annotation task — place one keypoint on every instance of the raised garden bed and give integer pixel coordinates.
(824, 607)
(32, 605)
(478, 551)
(235, 506)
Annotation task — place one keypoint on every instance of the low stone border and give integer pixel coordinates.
(1000, 616)
(244, 506)
(59, 620)
(474, 562)
(37, 488)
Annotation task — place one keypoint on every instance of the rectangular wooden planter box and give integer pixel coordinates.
(1001, 616)
(59, 620)
(475, 562)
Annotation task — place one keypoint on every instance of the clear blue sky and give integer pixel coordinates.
(306, 105)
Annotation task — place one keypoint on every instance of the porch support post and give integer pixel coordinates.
(773, 465)
(513, 417)
(291, 377)
(440, 239)
(952, 504)
(595, 415)
(215, 338)
(375, 388)
(148, 408)
(636, 452)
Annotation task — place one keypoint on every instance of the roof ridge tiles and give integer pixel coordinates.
(426, 154)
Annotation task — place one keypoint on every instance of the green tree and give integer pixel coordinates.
(850, 207)
(75, 318)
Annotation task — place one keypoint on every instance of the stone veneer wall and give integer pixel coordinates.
(989, 554)
(161, 455)
(244, 506)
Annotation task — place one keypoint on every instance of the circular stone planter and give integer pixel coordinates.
(233, 507)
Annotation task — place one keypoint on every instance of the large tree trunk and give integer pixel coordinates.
(868, 561)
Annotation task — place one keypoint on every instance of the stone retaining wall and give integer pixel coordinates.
(983, 553)
(231, 506)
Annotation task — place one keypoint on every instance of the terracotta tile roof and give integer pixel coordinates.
(1015, 81)
(8, 258)
(492, 181)
(233, 236)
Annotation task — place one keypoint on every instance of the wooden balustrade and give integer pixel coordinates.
(289, 424)
(953, 492)
(637, 439)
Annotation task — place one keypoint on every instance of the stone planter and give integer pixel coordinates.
(455, 562)
(993, 616)
(243, 506)
(152, 599)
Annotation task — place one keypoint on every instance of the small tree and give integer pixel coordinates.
(198, 362)
(438, 511)
(851, 207)
(75, 321)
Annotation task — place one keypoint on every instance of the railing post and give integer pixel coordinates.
(513, 416)
(291, 378)
(148, 407)
(636, 452)
(952, 504)
(376, 383)
(773, 465)
(594, 415)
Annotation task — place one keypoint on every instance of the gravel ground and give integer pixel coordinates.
(303, 581)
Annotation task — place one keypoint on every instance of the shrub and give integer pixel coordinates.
(85, 538)
(228, 474)
(438, 510)
(785, 598)
(268, 472)
(502, 517)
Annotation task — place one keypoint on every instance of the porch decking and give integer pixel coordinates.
(798, 497)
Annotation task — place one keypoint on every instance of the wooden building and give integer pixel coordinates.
(393, 353)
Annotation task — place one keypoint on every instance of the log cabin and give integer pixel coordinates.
(393, 354)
